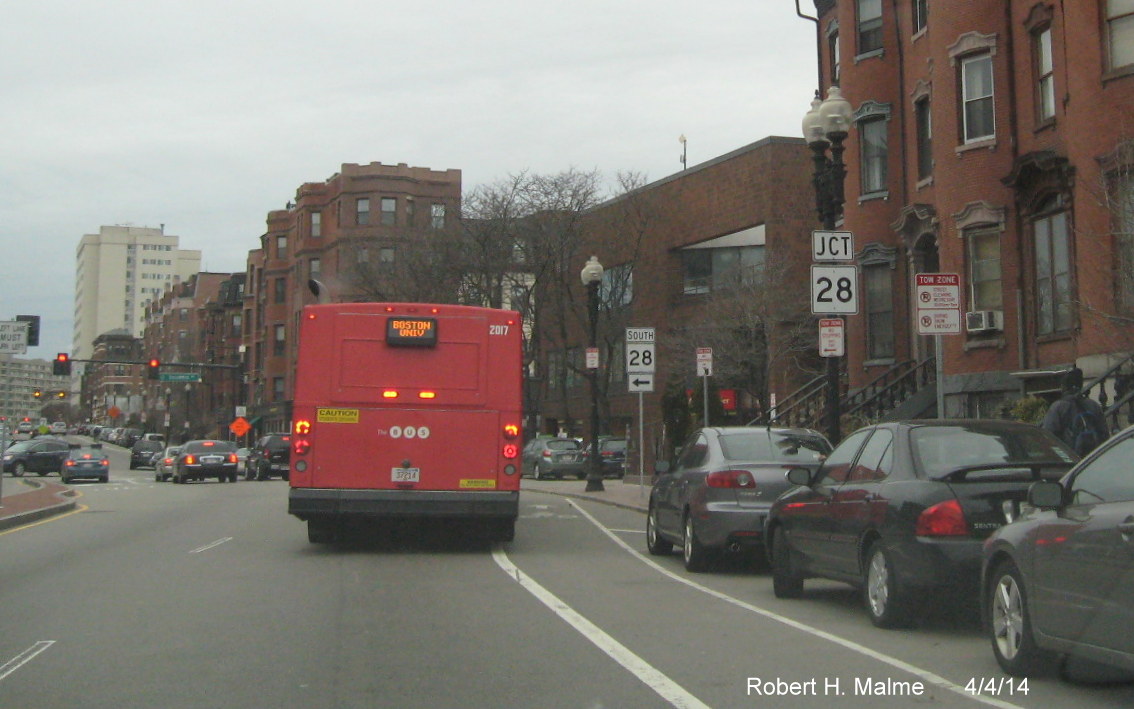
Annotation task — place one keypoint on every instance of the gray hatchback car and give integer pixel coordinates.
(717, 494)
(547, 457)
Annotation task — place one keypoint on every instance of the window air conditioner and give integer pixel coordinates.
(984, 320)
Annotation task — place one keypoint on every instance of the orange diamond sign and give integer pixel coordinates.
(240, 426)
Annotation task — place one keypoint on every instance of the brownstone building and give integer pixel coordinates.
(992, 140)
(355, 233)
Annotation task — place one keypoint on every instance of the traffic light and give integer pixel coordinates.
(37, 393)
(62, 364)
(33, 328)
(153, 369)
(60, 395)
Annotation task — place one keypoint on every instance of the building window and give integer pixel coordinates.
(279, 340)
(1120, 33)
(977, 104)
(920, 12)
(833, 50)
(278, 389)
(617, 286)
(869, 26)
(708, 269)
(281, 246)
(316, 267)
(410, 211)
(362, 211)
(234, 325)
(575, 363)
(389, 211)
(1053, 269)
(986, 288)
(924, 138)
(879, 312)
(1124, 238)
(280, 290)
(437, 214)
(316, 224)
(873, 148)
(386, 254)
(1045, 85)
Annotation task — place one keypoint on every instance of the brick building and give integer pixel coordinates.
(713, 256)
(991, 140)
(356, 233)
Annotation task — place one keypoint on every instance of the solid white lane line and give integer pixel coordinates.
(210, 545)
(669, 690)
(929, 677)
(24, 658)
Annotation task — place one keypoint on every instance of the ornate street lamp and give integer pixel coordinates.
(825, 127)
(592, 277)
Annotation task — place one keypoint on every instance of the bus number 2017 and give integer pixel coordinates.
(497, 329)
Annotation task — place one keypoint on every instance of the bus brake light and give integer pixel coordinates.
(427, 395)
(511, 450)
(301, 446)
(389, 394)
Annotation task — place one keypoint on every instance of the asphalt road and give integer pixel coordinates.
(208, 595)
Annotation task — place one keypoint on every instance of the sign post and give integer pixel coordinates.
(939, 313)
(705, 370)
(641, 364)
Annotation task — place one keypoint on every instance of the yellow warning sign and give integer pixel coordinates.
(336, 415)
(479, 484)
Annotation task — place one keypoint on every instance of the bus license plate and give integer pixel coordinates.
(405, 475)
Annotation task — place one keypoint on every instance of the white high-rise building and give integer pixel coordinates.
(118, 271)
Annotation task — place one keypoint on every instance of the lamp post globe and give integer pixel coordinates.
(592, 277)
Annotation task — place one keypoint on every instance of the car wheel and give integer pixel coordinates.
(538, 474)
(105, 479)
(66, 480)
(1010, 622)
(654, 541)
(232, 477)
(581, 476)
(886, 604)
(19, 470)
(694, 554)
(787, 582)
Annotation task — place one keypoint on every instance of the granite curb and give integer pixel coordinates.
(30, 506)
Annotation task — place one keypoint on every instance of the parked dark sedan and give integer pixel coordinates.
(716, 496)
(206, 459)
(40, 455)
(903, 507)
(1057, 580)
(142, 453)
(612, 456)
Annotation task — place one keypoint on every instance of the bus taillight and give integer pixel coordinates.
(301, 446)
(303, 427)
(511, 431)
(511, 450)
(427, 395)
(390, 394)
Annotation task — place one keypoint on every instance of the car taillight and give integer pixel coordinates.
(190, 460)
(606, 454)
(232, 457)
(945, 519)
(546, 453)
(731, 479)
(69, 463)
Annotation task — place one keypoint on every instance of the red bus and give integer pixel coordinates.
(406, 411)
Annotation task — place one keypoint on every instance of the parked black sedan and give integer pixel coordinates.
(1057, 580)
(716, 496)
(903, 507)
(41, 455)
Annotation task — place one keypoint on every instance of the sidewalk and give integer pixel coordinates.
(26, 500)
(620, 493)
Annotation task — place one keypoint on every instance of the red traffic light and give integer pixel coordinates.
(153, 368)
(61, 365)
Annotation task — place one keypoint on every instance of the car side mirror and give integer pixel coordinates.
(661, 467)
(799, 476)
(1045, 494)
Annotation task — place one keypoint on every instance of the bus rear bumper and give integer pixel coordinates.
(328, 503)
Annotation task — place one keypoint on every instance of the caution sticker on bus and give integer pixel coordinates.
(336, 415)
(477, 483)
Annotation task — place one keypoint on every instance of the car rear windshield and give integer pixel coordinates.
(562, 444)
(774, 446)
(617, 444)
(992, 453)
(209, 446)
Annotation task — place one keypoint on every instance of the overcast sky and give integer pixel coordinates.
(204, 115)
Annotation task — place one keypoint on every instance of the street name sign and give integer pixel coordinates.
(938, 303)
(180, 376)
(834, 290)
